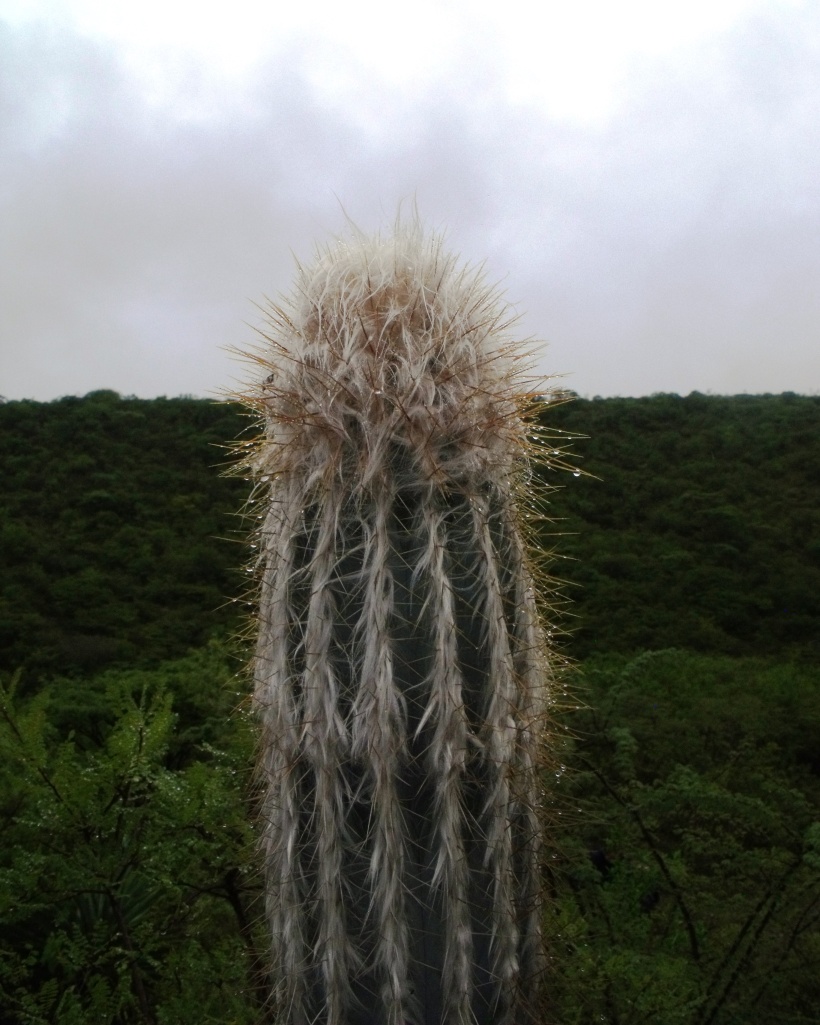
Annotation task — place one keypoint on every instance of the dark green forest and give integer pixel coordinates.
(682, 875)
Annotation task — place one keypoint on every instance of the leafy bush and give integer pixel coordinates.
(128, 890)
(686, 888)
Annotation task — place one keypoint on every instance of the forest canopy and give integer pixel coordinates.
(683, 872)
(695, 525)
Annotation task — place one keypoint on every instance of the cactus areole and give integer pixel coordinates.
(401, 673)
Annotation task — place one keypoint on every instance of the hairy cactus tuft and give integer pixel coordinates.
(401, 671)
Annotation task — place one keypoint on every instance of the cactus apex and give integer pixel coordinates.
(389, 343)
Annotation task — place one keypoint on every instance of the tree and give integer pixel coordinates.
(690, 890)
(127, 888)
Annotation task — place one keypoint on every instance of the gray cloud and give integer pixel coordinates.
(673, 248)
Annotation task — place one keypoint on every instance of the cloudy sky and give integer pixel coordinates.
(641, 178)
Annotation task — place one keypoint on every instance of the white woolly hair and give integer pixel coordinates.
(400, 661)
(393, 336)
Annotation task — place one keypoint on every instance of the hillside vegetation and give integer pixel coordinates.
(700, 527)
(683, 872)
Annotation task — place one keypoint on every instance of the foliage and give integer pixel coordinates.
(127, 886)
(688, 888)
(685, 878)
(110, 515)
(698, 526)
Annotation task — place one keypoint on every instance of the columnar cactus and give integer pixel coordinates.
(401, 672)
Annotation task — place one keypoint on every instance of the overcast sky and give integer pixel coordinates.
(642, 179)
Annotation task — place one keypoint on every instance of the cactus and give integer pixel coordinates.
(401, 670)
